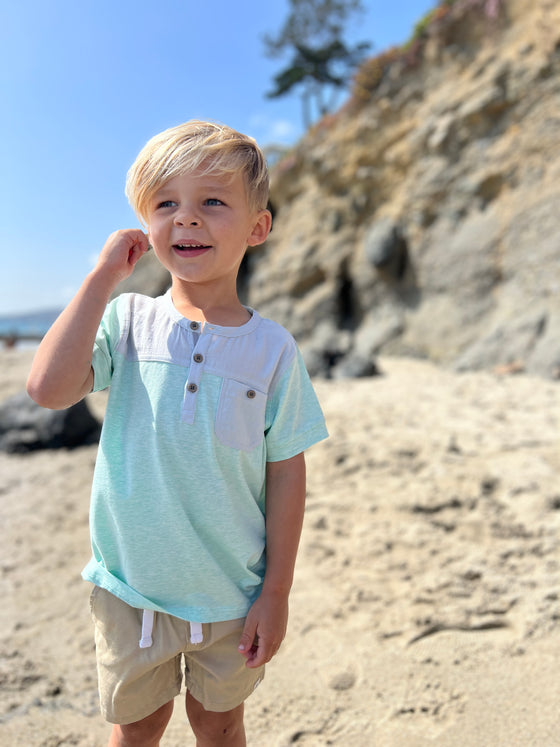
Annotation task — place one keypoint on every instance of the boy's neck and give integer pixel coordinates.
(195, 304)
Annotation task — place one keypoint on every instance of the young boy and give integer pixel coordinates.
(199, 486)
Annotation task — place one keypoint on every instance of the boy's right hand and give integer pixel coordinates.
(62, 373)
(121, 252)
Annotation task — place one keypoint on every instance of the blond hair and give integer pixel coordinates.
(205, 147)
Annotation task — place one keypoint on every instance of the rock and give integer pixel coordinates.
(343, 681)
(376, 331)
(24, 426)
(424, 219)
(317, 362)
(327, 347)
(385, 247)
(510, 342)
(545, 354)
(354, 366)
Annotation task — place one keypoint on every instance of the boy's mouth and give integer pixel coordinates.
(191, 249)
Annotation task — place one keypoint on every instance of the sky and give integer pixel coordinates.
(84, 85)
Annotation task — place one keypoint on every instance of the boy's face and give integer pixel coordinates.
(200, 226)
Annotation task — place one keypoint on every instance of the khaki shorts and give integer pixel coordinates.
(134, 682)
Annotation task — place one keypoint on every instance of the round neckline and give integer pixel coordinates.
(209, 327)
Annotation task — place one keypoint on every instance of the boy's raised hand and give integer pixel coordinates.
(121, 252)
(62, 373)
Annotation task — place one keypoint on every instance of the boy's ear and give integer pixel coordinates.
(261, 228)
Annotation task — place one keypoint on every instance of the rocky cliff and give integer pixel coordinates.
(423, 218)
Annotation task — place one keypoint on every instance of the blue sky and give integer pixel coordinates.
(85, 84)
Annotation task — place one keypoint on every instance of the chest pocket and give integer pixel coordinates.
(240, 417)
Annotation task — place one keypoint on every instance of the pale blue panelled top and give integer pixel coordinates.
(194, 413)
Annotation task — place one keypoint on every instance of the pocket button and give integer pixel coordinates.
(251, 394)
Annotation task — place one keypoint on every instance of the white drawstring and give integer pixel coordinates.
(196, 632)
(148, 626)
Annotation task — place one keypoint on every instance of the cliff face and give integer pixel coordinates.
(426, 222)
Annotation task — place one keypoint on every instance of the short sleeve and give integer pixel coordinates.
(108, 334)
(294, 419)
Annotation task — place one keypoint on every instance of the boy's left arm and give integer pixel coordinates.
(265, 626)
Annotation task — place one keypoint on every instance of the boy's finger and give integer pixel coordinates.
(248, 640)
(261, 653)
(139, 248)
(258, 656)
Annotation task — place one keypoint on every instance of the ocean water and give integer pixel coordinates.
(33, 324)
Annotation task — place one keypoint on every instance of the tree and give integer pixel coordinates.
(321, 63)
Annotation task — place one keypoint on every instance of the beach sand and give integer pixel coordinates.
(426, 605)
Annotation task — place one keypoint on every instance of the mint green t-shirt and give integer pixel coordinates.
(195, 411)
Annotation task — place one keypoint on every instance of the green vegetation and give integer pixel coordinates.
(372, 71)
(321, 63)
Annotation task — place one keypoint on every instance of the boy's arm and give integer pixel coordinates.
(61, 373)
(265, 626)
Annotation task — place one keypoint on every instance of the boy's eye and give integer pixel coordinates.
(213, 201)
(166, 204)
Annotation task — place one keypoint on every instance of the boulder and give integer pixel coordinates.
(24, 426)
(385, 248)
(354, 366)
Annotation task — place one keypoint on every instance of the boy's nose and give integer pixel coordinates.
(187, 220)
(187, 215)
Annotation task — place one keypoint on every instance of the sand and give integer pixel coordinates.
(426, 606)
